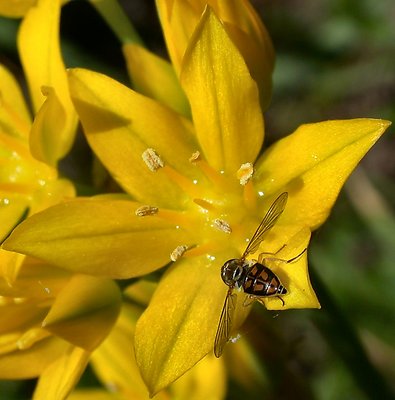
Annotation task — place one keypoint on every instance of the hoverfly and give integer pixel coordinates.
(252, 276)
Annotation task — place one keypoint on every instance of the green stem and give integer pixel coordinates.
(336, 327)
(117, 20)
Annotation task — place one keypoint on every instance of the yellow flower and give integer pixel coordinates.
(29, 148)
(50, 319)
(198, 192)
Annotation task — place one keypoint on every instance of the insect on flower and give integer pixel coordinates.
(254, 277)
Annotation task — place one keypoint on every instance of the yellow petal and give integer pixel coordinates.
(94, 394)
(294, 276)
(45, 141)
(313, 163)
(9, 342)
(244, 365)
(10, 264)
(284, 242)
(154, 77)
(20, 316)
(84, 311)
(141, 291)
(98, 237)
(224, 98)
(38, 44)
(114, 360)
(114, 117)
(29, 363)
(20, 173)
(206, 380)
(10, 214)
(15, 8)
(36, 279)
(179, 19)
(248, 33)
(179, 325)
(51, 193)
(60, 377)
(14, 115)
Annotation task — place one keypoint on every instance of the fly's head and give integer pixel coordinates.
(233, 272)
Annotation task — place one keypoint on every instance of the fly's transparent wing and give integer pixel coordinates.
(270, 218)
(225, 323)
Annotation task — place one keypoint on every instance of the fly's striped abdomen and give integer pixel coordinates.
(261, 281)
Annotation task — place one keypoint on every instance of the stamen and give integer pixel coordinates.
(19, 300)
(180, 219)
(204, 204)
(206, 248)
(154, 163)
(178, 252)
(152, 160)
(222, 225)
(245, 172)
(183, 182)
(17, 188)
(195, 157)
(5, 301)
(249, 195)
(146, 210)
(216, 178)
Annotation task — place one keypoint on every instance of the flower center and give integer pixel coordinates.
(220, 213)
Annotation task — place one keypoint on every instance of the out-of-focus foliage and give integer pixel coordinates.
(334, 59)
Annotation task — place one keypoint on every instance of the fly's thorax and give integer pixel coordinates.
(233, 272)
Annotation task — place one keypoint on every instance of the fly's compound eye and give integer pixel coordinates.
(238, 272)
(231, 272)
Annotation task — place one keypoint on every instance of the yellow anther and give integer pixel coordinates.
(222, 225)
(194, 157)
(152, 160)
(178, 252)
(146, 210)
(245, 172)
(204, 204)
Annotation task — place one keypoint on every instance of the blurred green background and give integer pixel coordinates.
(335, 59)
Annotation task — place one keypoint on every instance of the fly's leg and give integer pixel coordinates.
(282, 301)
(291, 260)
(297, 257)
(262, 256)
(250, 299)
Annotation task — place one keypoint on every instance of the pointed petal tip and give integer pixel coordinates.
(385, 123)
(217, 93)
